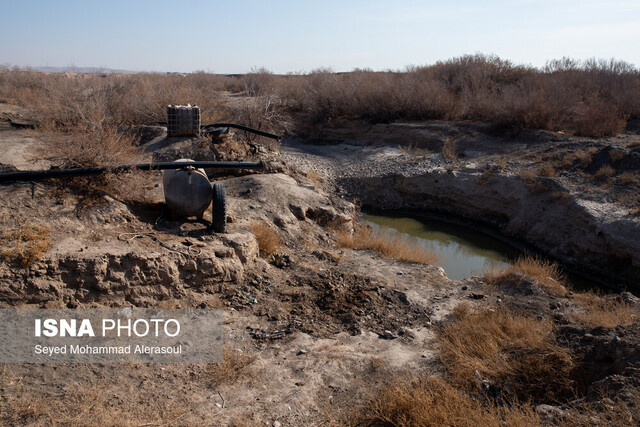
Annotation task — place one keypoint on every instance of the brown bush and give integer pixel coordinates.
(517, 353)
(547, 170)
(603, 311)
(433, 402)
(604, 173)
(628, 177)
(585, 157)
(234, 365)
(591, 98)
(449, 150)
(269, 240)
(544, 272)
(27, 244)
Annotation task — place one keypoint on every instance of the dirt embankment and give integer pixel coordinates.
(572, 198)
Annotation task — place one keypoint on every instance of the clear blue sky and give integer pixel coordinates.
(292, 36)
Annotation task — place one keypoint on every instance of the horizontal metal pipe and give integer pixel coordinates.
(241, 127)
(60, 173)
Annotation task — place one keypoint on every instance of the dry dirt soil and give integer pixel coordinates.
(310, 332)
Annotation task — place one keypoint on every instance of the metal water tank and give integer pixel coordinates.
(187, 191)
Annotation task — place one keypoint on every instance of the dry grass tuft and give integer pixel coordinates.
(517, 354)
(269, 240)
(413, 151)
(449, 150)
(544, 272)
(313, 176)
(617, 154)
(390, 245)
(585, 157)
(547, 170)
(27, 244)
(604, 173)
(433, 402)
(233, 367)
(602, 311)
(628, 177)
(527, 175)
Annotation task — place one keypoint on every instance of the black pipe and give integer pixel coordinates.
(241, 127)
(59, 173)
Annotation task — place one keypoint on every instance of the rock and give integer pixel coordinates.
(476, 296)
(244, 244)
(388, 335)
(298, 211)
(277, 424)
(549, 414)
(630, 299)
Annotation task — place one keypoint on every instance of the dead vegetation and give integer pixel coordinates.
(413, 151)
(603, 311)
(589, 98)
(449, 150)
(234, 366)
(515, 354)
(433, 402)
(26, 245)
(393, 246)
(269, 241)
(546, 273)
(604, 173)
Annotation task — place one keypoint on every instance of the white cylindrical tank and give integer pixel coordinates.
(187, 192)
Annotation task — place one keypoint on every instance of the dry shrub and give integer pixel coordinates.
(449, 150)
(433, 402)
(517, 354)
(605, 172)
(132, 186)
(547, 170)
(27, 244)
(616, 154)
(412, 150)
(592, 98)
(603, 311)
(85, 408)
(527, 175)
(544, 272)
(313, 176)
(584, 157)
(262, 113)
(90, 144)
(599, 118)
(234, 366)
(628, 177)
(391, 245)
(269, 240)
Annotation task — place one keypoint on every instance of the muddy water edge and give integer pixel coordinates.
(466, 250)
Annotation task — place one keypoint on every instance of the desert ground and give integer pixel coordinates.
(325, 321)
